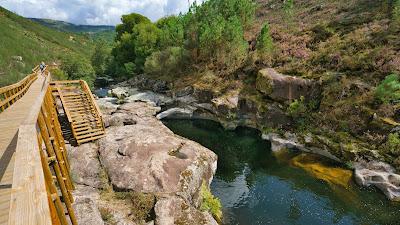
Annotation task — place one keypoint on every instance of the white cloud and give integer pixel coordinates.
(94, 12)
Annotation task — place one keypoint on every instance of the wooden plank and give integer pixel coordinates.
(28, 204)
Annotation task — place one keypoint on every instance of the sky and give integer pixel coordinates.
(94, 12)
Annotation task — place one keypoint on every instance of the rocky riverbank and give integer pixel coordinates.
(140, 172)
(268, 108)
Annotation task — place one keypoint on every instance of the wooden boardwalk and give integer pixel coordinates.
(10, 121)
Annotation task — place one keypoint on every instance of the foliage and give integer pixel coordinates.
(209, 202)
(77, 67)
(212, 32)
(100, 58)
(57, 74)
(170, 60)
(136, 39)
(297, 108)
(396, 11)
(171, 31)
(288, 6)
(393, 144)
(265, 42)
(128, 23)
(389, 89)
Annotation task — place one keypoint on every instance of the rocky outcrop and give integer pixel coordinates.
(85, 165)
(85, 205)
(136, 156)
(150, 97)
(280, 87)
(378, 174)
(119, 92)
(177, 113)
(173, 210)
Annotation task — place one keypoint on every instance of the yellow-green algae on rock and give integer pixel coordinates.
(316, 166)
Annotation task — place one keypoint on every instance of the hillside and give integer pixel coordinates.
(21, 37)
(103, 32)
(327, 71)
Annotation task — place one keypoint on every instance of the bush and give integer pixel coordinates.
(389, 89)
(265, 42)
(57, 74)
(396, 11)
(297, 108)
(209, 202)
(170, 60)
(76, 67)
(393, 144)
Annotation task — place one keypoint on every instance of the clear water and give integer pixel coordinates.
(101, 92)
(257, 187)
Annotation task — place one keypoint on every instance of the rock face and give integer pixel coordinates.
(136, 156)
(85, 205)
(281, 87)
(173, 210)
(119, 92)
(85, 165)
(380, 175)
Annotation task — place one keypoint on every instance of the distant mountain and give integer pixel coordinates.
(96, 32)
(70, 27)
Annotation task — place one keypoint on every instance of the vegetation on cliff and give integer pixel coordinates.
(350, 48)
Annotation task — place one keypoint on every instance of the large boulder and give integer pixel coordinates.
(281, 87)
(85, 205)
(380, 175)
(85, 165)
(173, 210)
(119, 92)
(148, 157)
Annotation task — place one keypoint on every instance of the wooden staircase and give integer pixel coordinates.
(77, 103)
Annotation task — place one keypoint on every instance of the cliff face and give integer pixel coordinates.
(140, 172)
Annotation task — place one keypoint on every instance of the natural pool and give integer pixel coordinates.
(257, 187)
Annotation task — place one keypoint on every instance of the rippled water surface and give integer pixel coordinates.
(257, 187)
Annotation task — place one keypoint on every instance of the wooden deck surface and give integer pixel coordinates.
(10, 121)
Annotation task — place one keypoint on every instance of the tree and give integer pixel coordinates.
(100, 58)
(171, 31)
(128, 23)
(77, 67)
(265, 42)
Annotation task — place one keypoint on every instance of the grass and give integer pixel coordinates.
(35, 43)
(210, 203)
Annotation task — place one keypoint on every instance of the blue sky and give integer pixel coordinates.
(94, 12)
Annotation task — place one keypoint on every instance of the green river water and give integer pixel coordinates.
(256, 186)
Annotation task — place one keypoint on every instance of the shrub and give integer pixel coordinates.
(265, 42)
(170, 60)
(389, 89)
(77, 67)
(58, 74)
(393, 144)
(396, 11)
(297, 108)
(209, 202)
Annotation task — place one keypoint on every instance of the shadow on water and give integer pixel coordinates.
(257, 187)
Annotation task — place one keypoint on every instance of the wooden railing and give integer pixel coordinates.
(10, 94)
(42, 186)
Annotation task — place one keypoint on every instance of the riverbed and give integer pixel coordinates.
(257, 186)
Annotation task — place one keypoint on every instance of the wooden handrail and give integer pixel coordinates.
(41, 170)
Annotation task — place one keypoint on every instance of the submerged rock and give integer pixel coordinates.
(378, 174)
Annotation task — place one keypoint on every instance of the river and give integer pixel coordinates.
(256, 186)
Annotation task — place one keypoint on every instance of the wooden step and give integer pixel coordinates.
(81, 141)
(88, 131)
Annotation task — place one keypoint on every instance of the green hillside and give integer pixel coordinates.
(96, 32)
(21, 37)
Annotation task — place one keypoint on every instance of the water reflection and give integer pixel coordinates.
(257, 187)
